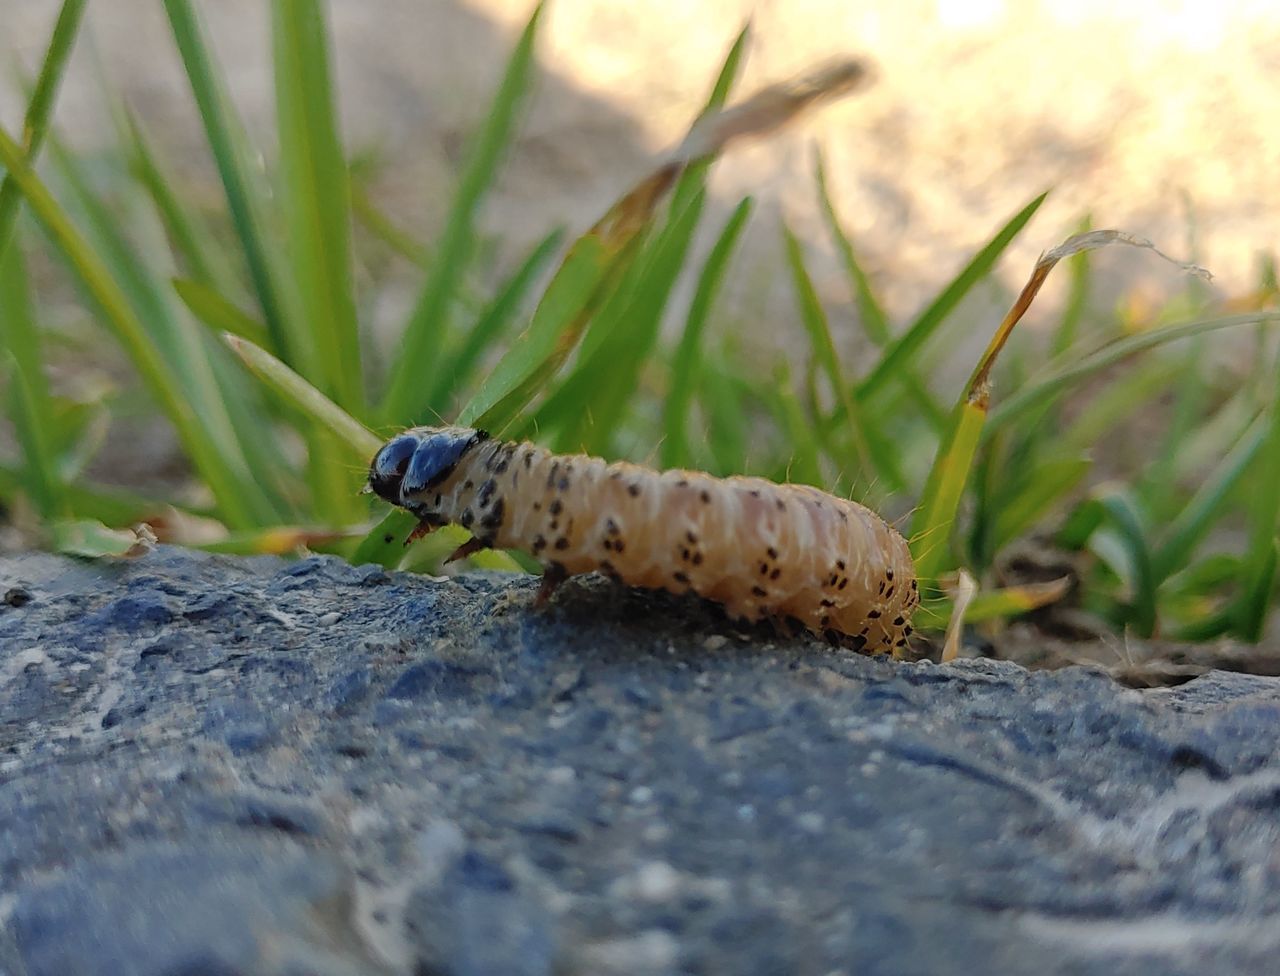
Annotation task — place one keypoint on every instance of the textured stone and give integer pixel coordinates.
(444, 780)
(168, 908)
(474, 922)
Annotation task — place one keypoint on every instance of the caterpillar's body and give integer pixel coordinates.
(759, 548)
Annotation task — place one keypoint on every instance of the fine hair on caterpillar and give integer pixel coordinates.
(762, 550)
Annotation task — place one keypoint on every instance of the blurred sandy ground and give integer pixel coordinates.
(1155, 116)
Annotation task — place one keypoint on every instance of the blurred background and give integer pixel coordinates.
(1155, 116)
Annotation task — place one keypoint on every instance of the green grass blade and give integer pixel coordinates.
(803, 465)
(605, 253)
(607, 376)
(155, 371)
(39, 110)
(694, 178)
(1079, 525)
(934, 521)
(339, 447)
(90, 539)
(407, 384)
(1112, 406)
(870, 312)
(1001, 604)
(106, 233)
(624, 291)
(359, 442)
(1044, 391)
(1207, 628)
(685, 365)
(879, 460)
(628, 320)
(129, 254)
(1041, 490)
(1217, 431)
(195, 244)
(234, 409)
(114, 506)
(218, 313)
(316, 197)
(1200, 579)
(493, 322)
(565, 403)
(635, 335)
(281, 299)
(133, 251)
(31, 407)
(552, 333)
(587, 283)
(728, 412)
(382, 227)
(988, 489)
(728, 71)
(384, 544)
(1259, 570)
(902, 352)
(43, 487)
(1123, 515)
(230, 153)
(79, 430)
(1160, 488)
(1194, 520)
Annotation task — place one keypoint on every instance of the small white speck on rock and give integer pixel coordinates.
(436, 845)
(654, 882)
(812, 823)
(647, 954)
(655, 833)
(561, 775)
(282, 618)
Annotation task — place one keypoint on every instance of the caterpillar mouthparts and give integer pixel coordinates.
(762, 550)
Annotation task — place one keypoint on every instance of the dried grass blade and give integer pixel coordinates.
(954, 462)
(966, 589)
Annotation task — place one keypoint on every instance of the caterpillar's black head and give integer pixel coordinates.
(418, 459)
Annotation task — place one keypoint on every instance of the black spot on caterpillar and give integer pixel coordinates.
(760, 549)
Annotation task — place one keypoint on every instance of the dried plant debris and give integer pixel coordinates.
(979, 383)
(766, 111)
(773, 107)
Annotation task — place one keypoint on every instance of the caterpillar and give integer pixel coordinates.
(762, 550)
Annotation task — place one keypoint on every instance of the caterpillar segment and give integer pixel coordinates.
(762, 550)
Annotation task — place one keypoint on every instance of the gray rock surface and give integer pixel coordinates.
(218, 766)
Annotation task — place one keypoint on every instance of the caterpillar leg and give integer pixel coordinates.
(784, 628)
(472, 545)
(421, 530)
(552, 577)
